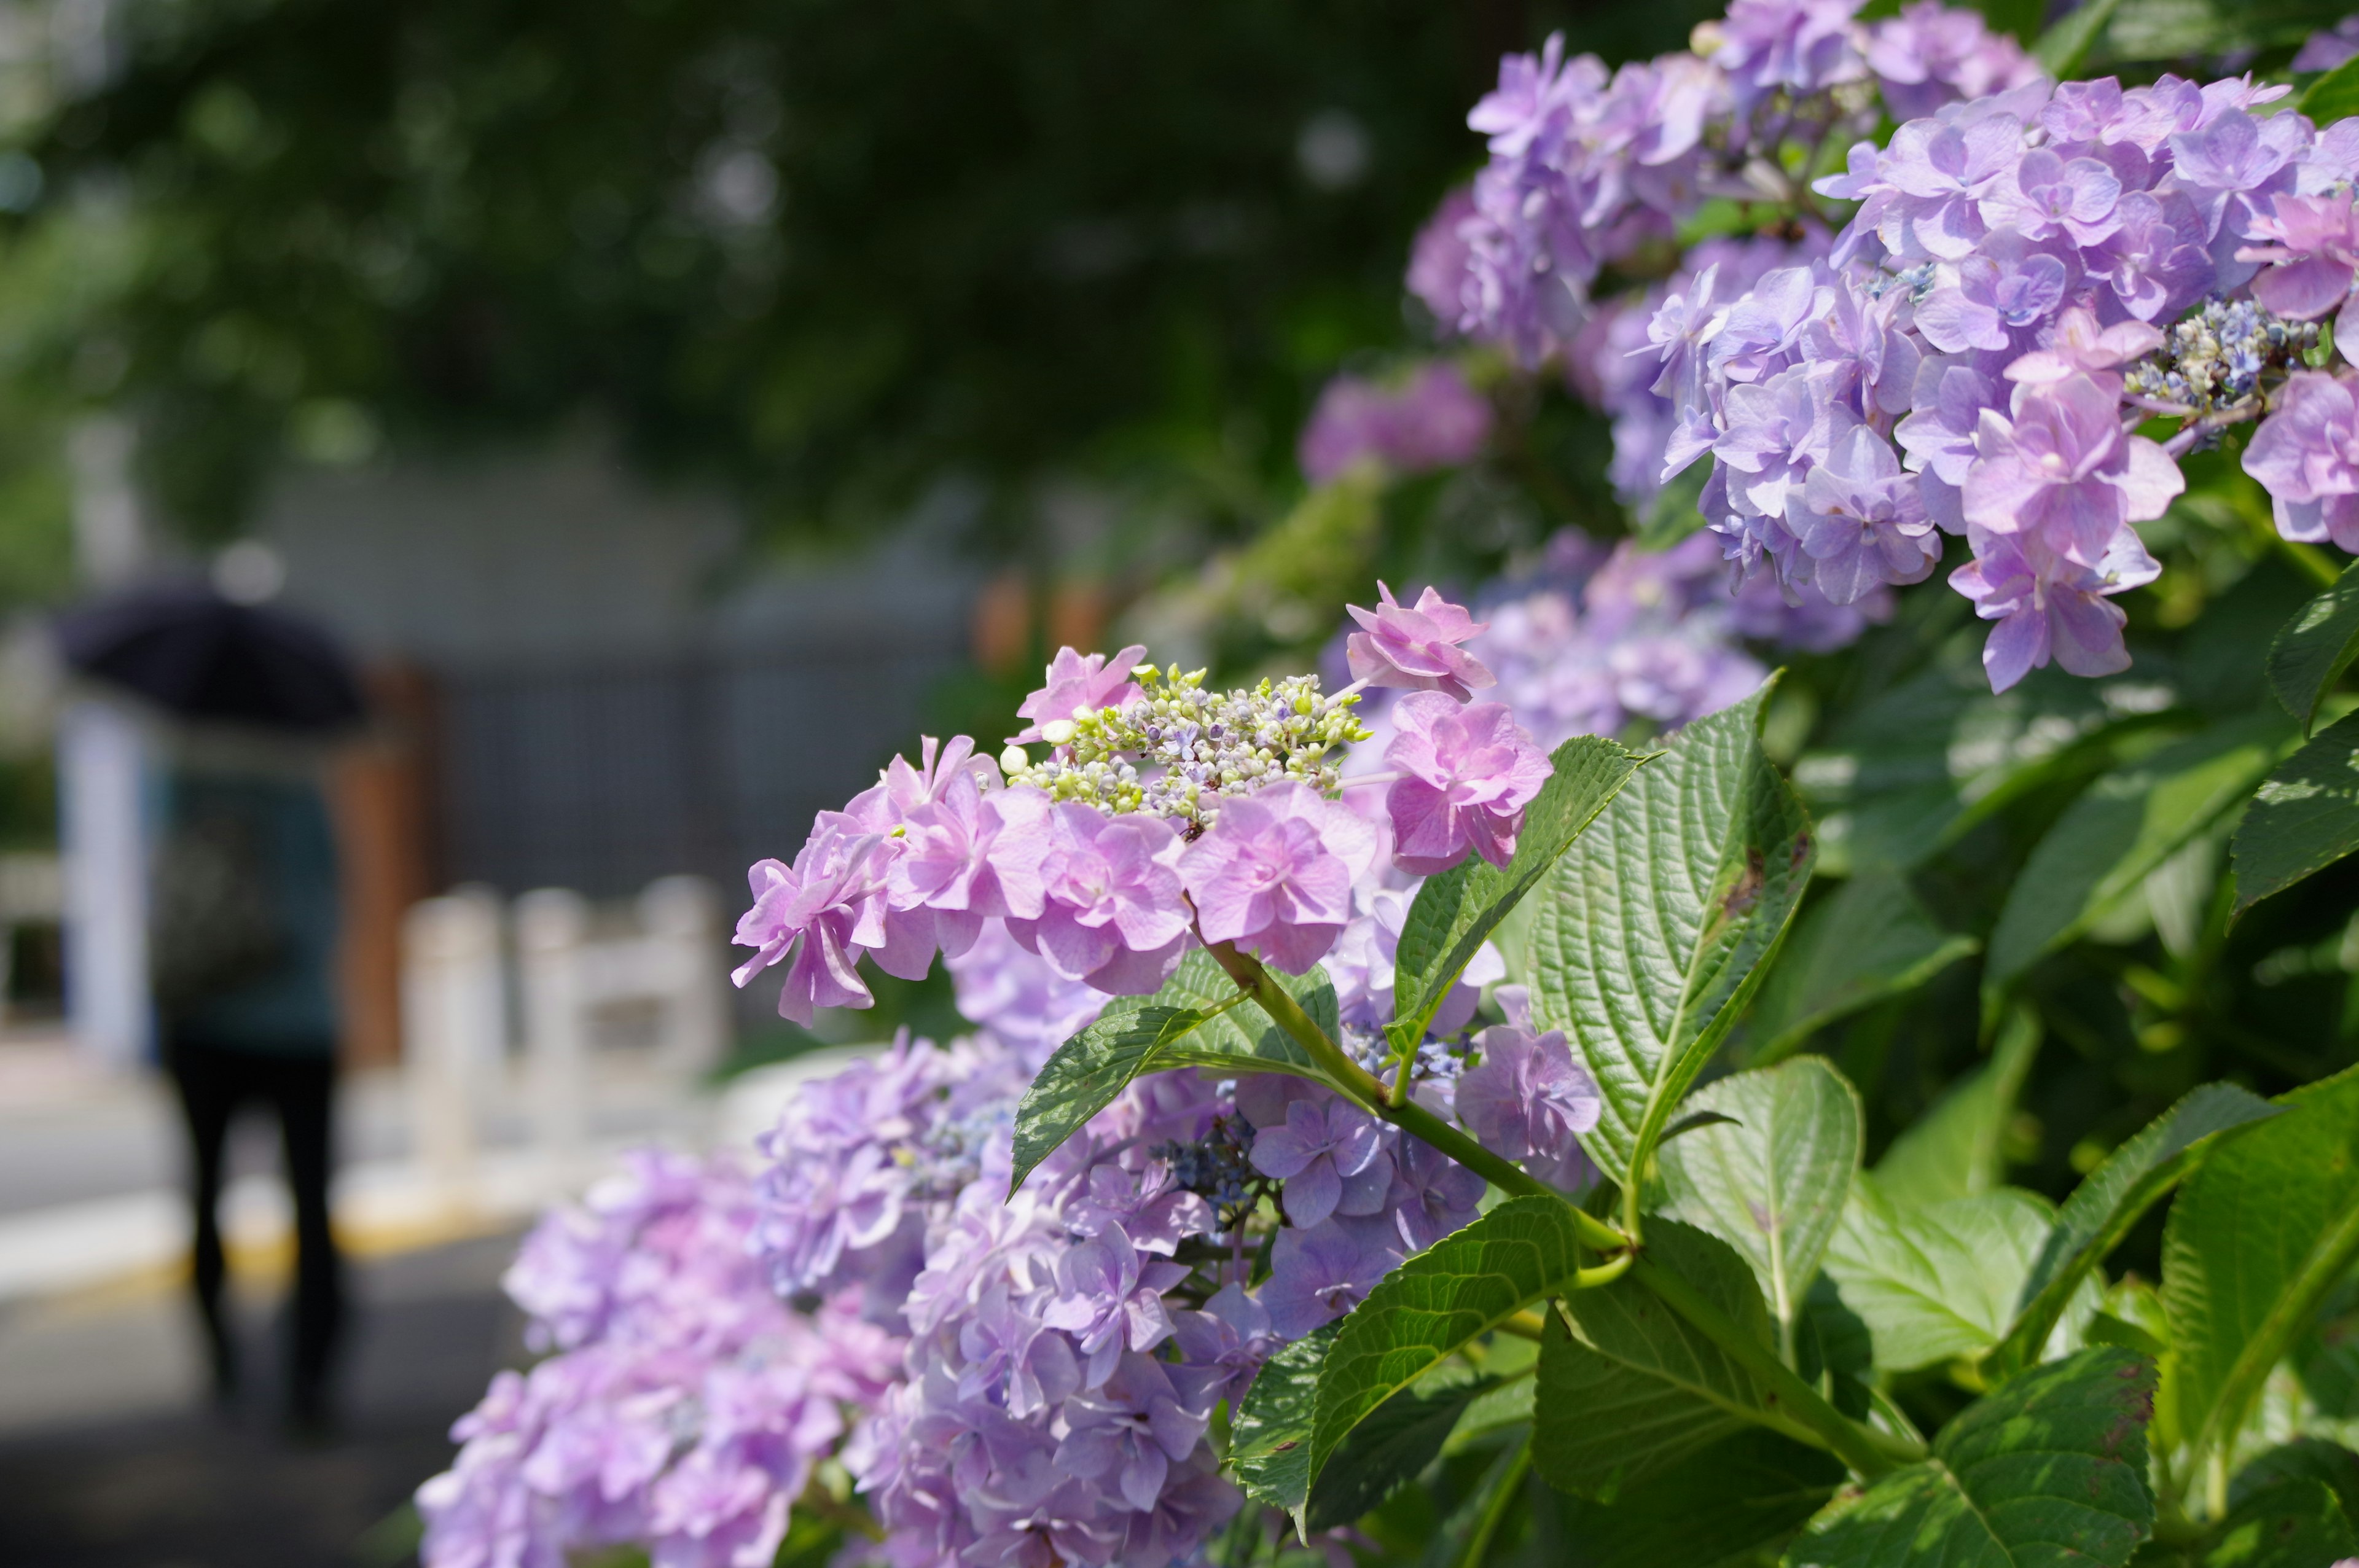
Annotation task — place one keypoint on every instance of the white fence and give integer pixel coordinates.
(503, 1006)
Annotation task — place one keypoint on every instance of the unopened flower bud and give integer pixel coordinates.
(1056, 731)
(1013, 759)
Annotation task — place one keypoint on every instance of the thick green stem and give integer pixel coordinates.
(1364, 1088)
(1865, 1449)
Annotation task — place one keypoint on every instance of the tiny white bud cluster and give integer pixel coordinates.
(1177, 749)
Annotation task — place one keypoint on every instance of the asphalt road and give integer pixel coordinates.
(111, 1457)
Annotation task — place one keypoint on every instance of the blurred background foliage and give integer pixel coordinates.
(829, 255)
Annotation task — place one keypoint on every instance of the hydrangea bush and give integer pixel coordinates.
(1386, 1130)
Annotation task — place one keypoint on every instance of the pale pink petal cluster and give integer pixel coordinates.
(1416, 646)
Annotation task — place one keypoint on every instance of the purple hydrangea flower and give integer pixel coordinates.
(1076, 684)
(1110, 912)
(1433, 419)
(2062, 470)
(1527, 1101)
(1471, 771)
(1320, 1273)
(2306, 455)
(1274, 875)
(1109, 1295)
(1132, 1428)
(2049, 605)
(1861, 520)
(805, 915)
(1432, 1194)
(1323, 1148)
(1931, 54)
(1416, 646)
(1222, 1346)
(2311, 243)
(2328, 47)
(1438, 258)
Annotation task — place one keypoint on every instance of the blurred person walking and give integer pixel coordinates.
(243, 901)
(243, 945)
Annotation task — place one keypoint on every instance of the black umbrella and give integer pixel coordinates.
(201, 657)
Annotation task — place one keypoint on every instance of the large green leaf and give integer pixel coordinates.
(2102, 1208)
(1436, 1303)
(1955, 1150)
(1388, 1449)
(2304, 818)
(2296, 1523)
(2264, 1228)
(1454, 911)
(1270, 1442)
(2334, 96)
(1771, 1180)
(1872, 939)
(1727, 1506)
(2049, 1470)
(2121, 829)
(1197, 1019)
(2316, 647)
(1651, 937)
(1941, 1281)
(1628, 1389)
(1905, 774)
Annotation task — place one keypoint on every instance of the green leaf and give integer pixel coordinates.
(2319, 643)
(1771, 1180)
(2102, 1208)
(1651, 939)
(2296, 1523)
(1937, 1282)
(2121, 829)
(1903, 776)
(1199, 1019)
(2305, 1458)
(2264, 1228)
(1270, 1442)
(1464, 1539)
(1628, 1389)
(2062, 48)
(1954, 1150)
(1725, 1508)
(1388, 1449)
(2334, 96)
(2050, 1469)
(2304, 818)
(1436, 1303)
(1872, 939)
(1456, 911)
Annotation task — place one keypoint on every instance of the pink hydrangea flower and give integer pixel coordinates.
(1110, 912)
(1471, 771)
(969, 855)
(809, 910)
(2063, 470)
(2306, 455)
(2079, 346)
(2312, 245)
(2048, 606)
(1416, 646)
(1078, 683)
(1274, 874)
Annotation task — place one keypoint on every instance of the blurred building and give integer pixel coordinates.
(585, 683)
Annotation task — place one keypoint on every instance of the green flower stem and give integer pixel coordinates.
(1868, 1451)
(1865, 1449)
(1369, 1093)
(1478, 1544)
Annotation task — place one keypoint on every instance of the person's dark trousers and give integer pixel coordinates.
(301, 1090)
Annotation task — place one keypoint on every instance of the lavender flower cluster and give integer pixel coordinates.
(1589, 168)
(684, 1408)
(1066, 1346)
(1109, 855)
(1432, 418)
(1965, 357)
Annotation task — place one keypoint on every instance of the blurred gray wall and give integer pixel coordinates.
(620, 692)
